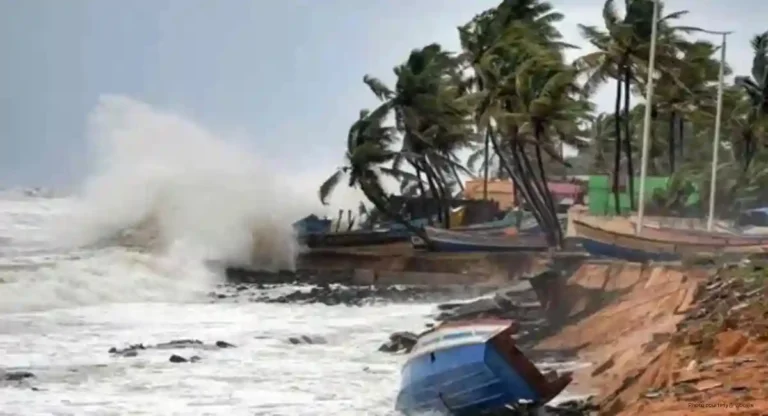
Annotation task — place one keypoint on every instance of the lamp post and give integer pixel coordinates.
(718, 117)
(647, 119)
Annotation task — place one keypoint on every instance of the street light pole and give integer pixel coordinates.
(716, 141)
(647, 119)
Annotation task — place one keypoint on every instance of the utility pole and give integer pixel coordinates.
(647, 119)
(718, 117)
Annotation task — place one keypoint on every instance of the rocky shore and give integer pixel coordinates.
(337, 294)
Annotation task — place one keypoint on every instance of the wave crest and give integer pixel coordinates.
(158, 179)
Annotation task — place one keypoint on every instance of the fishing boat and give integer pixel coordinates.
(508, 220)
(465, 242)
(614, 239)
(472, 367)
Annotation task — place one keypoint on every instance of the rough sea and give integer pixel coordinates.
(121, 261)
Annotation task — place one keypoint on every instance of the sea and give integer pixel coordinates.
(123, 260)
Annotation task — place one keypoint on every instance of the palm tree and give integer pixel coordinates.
(369, 146)
(623, 49)
(548, 105)
(495, 43)
(756, 89)
(684, 89)
(431, 117)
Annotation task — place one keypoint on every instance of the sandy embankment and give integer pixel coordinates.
(666, 340)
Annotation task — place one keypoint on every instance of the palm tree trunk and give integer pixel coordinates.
(539, 191)
(547, 193)
(671, 148)
(435, 195)
(628, 137)
(517, 180)
(422, 193)
(617, 148)
(529, 184)
(445, 195)
(485, 173)
(458, 179)
(681, 136)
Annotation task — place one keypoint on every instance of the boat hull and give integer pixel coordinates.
(600, 249)
(450, 241)
(468, 379)
(660, 245)
(470, 369)
(355, 238)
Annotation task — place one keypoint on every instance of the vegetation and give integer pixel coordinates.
(510, 100)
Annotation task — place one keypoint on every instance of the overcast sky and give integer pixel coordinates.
(286, 75)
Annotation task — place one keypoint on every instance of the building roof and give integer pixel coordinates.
(565, 188)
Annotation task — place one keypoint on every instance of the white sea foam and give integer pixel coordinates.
(184, 194)
(158, 169)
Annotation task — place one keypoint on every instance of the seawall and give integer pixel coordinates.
(395, 264)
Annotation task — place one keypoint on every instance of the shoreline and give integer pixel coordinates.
(631, 322)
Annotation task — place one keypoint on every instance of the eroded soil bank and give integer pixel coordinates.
(667, 340)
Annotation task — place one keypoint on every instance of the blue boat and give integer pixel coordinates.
(471, 367)
(659, 244)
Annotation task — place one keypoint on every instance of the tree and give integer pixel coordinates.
(368, 148)
(623, 49)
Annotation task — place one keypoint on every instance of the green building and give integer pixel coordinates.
(600, 193)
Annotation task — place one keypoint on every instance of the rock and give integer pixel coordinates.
(133, 350)
(306, 339)
(400, 341)
(568, 408)
(484, 306)
(16, 375)
(705, 385)
(332, 295)
(177, 359)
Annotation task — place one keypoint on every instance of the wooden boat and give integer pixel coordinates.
(471, 367)
(658, 244)
(508, 220)
(419, 244)
(465, 242)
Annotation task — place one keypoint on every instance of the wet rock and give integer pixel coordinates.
(180, 343)
(133, 350)
(400, 342)
(177, 359)
(307, 339)
(15, 375)
(338, 294)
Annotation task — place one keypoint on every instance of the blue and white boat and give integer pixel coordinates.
(471, 367)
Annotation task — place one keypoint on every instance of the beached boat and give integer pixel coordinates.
(471, 367)
(655, 244)
(509, 220)
(464, 242)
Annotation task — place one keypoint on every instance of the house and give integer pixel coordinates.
(503, 191)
